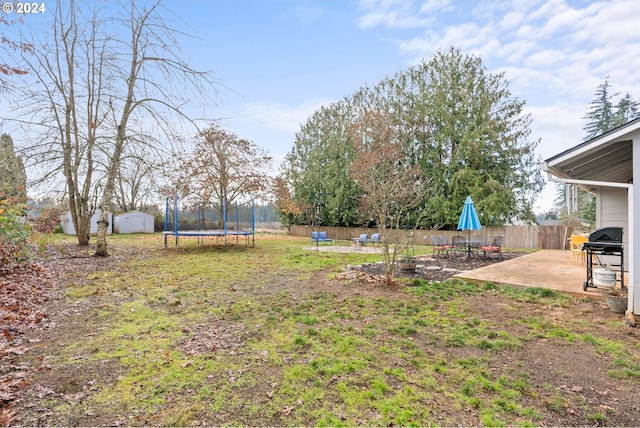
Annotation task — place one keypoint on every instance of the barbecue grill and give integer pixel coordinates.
(604, 242)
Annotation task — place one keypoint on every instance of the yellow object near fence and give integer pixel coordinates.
(576, 242)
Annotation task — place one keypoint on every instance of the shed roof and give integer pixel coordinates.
(134, 212)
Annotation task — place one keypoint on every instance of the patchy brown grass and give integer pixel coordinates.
(270, 336)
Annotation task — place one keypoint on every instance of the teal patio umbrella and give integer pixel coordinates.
(469, 218)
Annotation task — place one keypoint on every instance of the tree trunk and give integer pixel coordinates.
(107, 197)
(109, 188)
(103, 227)
(83, 228)
(80, 217)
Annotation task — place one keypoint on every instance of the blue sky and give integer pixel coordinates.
(281, 60)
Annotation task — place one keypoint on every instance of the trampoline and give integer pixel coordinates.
(224, 233)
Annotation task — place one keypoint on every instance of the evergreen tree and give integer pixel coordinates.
(560, 199)
(13, 178)
(14, 232)
(626, 110)
(317, 168)
(603, 115)
(600, 115)
(457, 121)
(478, 142)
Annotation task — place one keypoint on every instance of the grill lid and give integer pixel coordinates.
(606, 234)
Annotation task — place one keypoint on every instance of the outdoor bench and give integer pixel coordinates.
(317, 237)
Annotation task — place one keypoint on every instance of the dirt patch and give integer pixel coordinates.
(212, 336)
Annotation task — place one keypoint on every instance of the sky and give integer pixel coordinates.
(282, 60)
(278, 61)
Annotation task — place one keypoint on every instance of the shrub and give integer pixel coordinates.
(48, 220)
(14, 234)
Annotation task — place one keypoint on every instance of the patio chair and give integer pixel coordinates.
(459, 246)
(438, 248)
(364, 237)
(576, 242)
(494, 248)
(446, 244)
(375, 239)
(317, 237)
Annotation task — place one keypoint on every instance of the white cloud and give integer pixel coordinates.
(555, 48)
(609, 22)
(546, 9)
(397, 13)
(271, 126)
(546, 199)
(545, 58)
(431, 6)
(513, 52)
(511, 20)
(280, 117)
(559, 127)
(466, 36)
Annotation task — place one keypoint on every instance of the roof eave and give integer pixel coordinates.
(607, 137)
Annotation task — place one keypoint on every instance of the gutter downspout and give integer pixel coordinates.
(630, 318)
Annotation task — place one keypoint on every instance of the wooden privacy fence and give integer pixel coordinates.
(534, 236)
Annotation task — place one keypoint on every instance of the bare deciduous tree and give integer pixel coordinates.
(392, 187)
(135, 180)
(289, 209)
(154, 62)
(104, 80)
(66, 104)
(224, 168)
(10, 45)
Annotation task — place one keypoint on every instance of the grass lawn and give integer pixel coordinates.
(266, 336)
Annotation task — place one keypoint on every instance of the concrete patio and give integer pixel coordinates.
(550, 269)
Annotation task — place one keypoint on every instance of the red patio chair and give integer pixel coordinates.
(494, 248)
(438, 248)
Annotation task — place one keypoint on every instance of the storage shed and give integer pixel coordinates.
(133, 222)
(67, 223)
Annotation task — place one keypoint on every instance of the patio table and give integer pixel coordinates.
(342, 241)
(472, 245)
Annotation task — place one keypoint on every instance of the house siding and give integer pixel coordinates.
(613, 212)
(614, 208)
